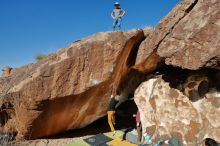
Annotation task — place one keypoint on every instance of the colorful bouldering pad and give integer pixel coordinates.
(120, 142)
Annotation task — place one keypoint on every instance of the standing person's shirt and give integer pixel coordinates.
(118, 13)
(138, 119)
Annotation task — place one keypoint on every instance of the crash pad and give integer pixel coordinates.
(113, 136)
(81, 142)
(120, 142)
(98, 140)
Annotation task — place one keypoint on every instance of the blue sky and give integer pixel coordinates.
(30, 27)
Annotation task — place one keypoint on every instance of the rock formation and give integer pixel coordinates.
(6, 71)
(71, 88)
(166, 112)
(187, 37)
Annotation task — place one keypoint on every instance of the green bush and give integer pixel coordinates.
(40, 57)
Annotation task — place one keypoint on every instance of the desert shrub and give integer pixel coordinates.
(40, 57)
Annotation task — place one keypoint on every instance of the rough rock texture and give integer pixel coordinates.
(68, 89)
(6, 71)
(166, 112)
(71, 88)
(187, 37)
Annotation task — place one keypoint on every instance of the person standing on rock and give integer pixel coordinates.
(117, 15)
(111, 111)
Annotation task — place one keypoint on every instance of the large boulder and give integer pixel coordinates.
(166, 112)
(188, 37)
(68, 89)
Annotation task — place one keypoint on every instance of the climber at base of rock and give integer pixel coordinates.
(117, 15)
(111, 111)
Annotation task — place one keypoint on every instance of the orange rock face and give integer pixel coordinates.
(69, 89)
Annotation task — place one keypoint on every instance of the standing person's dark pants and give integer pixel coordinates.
(139, 132)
